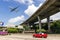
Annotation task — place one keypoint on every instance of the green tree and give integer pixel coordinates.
(26, 27)
(55, 26)
(12, 30)
(16, 26)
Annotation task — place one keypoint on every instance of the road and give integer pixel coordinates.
(29, 37)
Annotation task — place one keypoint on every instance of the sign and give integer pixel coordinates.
(1, 23)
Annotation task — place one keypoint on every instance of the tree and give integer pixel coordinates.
(55, 26)
(26, 27)
(16, 26)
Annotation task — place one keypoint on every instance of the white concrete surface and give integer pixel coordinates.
(29, 37)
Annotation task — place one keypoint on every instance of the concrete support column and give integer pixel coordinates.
(48, 21)
(39, 20)
(28, 25)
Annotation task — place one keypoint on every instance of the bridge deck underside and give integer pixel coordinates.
(49, 8)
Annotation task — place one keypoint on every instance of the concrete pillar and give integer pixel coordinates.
(48, 21)
(39, 20)
(28, 25)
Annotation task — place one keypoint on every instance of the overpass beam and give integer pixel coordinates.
(48, 21)
(39, 20)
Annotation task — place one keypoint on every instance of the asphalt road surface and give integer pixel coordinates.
(28, 37)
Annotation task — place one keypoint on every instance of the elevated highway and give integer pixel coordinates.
(50, 7)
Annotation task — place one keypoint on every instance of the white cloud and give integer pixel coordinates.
(22, 1)
(31, 9)
(12, 21)
(16, 19)
(25, 1)
(10, 25)
(56, 16)
(40, 5)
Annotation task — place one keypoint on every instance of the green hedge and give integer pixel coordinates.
(55, 27)
(42, 30)
(12, 30)
(20, 30)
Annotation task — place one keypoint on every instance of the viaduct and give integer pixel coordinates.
(50, 7)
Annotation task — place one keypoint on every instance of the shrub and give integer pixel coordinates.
(55, 27)
(20, 30)
(26, 28)
(42, 30)
(12, 30)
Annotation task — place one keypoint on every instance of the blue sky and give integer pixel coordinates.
(25, 10)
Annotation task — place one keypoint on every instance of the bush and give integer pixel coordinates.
(12, 30)
(26, 27)
(55, 27)
(42, 30)
(20, 30)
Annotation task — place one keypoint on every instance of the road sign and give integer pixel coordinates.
(1, 23)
